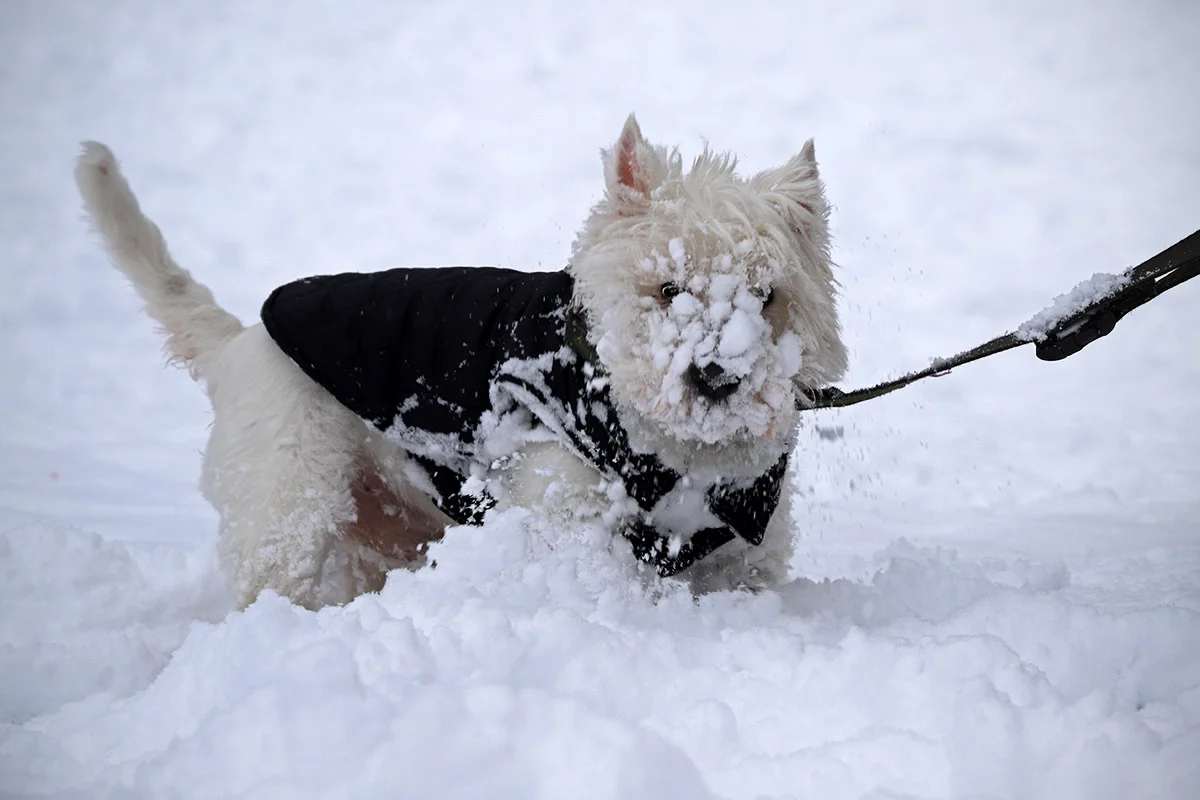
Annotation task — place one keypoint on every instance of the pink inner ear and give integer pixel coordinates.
(629, 171)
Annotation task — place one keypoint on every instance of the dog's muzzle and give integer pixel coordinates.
(712, 381)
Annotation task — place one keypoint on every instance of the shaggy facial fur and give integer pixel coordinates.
(710, 302)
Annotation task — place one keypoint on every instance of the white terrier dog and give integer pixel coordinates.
(651, 387)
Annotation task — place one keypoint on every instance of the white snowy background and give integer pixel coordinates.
(997, 588)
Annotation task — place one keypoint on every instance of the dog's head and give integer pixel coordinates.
(710, 297)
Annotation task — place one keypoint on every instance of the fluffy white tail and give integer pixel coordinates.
(195, 326)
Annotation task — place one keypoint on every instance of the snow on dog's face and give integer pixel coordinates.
(710, 297)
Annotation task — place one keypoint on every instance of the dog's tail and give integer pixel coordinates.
(195, 326)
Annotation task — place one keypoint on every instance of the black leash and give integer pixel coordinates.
(1067, 336)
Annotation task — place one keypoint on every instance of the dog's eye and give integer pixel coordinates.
(764, 293)
(669, 291)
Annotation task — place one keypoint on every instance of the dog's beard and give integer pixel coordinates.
(650, 358)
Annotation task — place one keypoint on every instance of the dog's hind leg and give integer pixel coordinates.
(280, 468)
(394, 517)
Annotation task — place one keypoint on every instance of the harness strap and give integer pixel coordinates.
(1069, 335)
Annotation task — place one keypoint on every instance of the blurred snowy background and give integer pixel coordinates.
(998, 585)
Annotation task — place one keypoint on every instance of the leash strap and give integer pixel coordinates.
(1069, 335)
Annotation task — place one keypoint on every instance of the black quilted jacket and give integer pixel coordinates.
(434, 357)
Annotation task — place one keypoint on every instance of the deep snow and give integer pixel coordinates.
(997, 588)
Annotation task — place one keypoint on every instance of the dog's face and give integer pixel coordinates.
(710, 297)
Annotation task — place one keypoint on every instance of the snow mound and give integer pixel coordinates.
(80, 615)
(530, 662)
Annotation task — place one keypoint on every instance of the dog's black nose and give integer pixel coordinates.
(712, 381)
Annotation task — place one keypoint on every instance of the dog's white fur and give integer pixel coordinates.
(659, 224)
(286, 464)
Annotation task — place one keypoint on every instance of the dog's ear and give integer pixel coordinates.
(798, 182)
(633, 168)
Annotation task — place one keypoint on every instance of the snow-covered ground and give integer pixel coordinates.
(997, 591)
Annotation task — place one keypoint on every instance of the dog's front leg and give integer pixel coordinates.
(550, 480)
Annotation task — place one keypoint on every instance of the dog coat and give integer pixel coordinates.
(452, 363)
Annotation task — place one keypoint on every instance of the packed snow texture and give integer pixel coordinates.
(997, 584)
